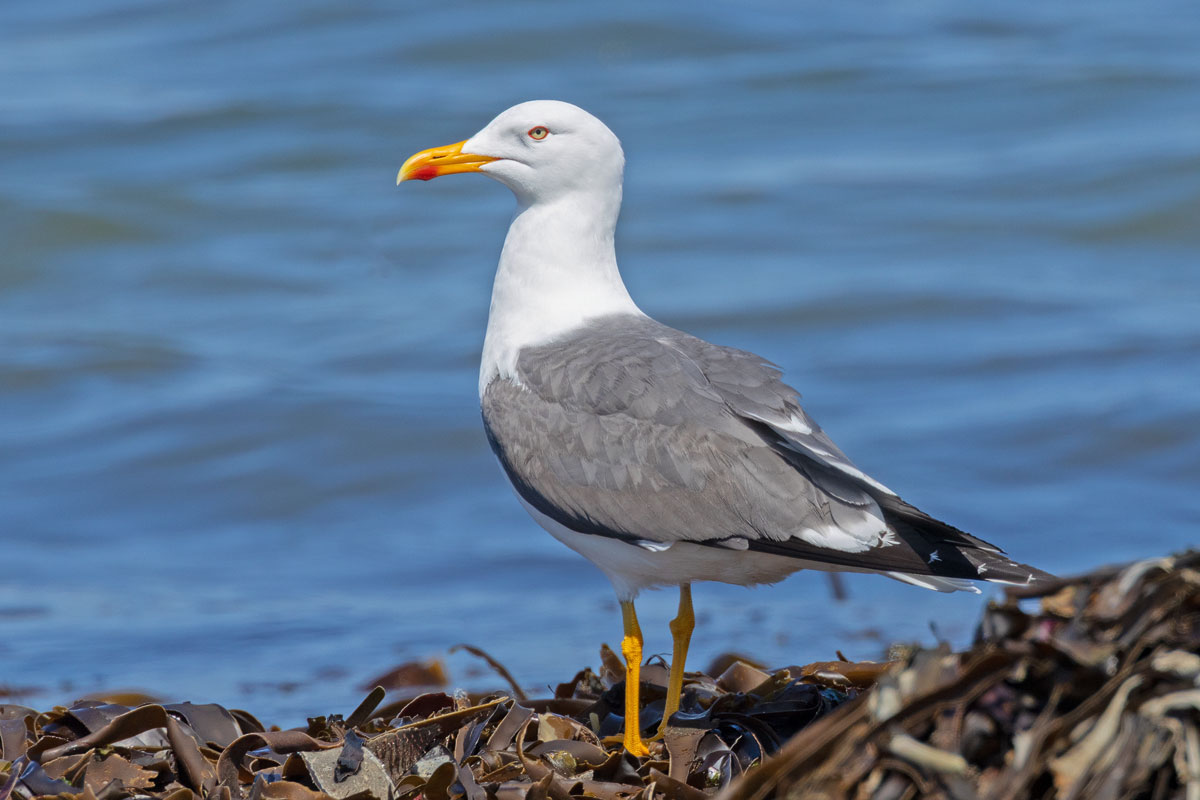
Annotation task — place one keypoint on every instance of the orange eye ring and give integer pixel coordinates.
(538, 132)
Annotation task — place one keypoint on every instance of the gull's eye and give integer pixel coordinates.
(538, 133)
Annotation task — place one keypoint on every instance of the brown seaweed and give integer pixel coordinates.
(1093, 694)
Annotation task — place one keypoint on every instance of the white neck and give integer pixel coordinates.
(558, 270)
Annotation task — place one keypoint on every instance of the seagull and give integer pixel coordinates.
(660, 457)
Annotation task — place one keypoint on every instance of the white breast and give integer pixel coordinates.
(558, 270)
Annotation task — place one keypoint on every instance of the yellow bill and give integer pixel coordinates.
(438, 161)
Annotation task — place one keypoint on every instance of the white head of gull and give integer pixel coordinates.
(558, 268)
(662, 458)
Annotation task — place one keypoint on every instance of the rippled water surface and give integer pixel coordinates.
(240, 453)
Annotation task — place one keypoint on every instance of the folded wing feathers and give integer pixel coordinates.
(589, 442)
(916, 548)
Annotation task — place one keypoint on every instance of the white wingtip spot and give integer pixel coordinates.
(935, 557)
(796, 424)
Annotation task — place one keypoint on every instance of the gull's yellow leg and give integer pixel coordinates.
(681, 635)
(631, 648)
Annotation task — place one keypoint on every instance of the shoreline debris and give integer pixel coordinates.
(1088, 687)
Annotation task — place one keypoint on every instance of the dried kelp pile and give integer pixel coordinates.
(1094, 694)
(432, 747)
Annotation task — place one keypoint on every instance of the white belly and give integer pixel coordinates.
(632, 568)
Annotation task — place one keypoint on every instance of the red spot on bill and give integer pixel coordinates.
(425, 173)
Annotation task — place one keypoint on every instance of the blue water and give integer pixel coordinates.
(240, 453)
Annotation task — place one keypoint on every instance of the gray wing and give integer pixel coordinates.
(633, 430)
(752, 386)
